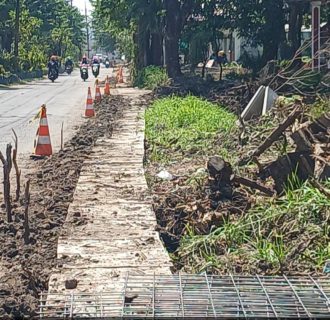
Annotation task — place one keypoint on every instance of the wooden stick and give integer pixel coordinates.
(18, 172)
(277, 132)
(62, 137)
(252, 184)
(7, 165)
(26, 213)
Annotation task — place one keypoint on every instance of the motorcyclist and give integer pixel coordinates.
(68, 62)
(53, 64)
(84, 61)
(84, 65)
(96, 61)
(107, 62)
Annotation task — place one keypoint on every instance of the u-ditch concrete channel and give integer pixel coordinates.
(117, 230)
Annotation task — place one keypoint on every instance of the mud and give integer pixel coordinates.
(25, 269)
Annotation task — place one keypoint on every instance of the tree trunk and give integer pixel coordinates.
(148, 53)
(270, 49)
(156, 49)
(293, 18)
(295, 24)
(173, 26)
(273, 31)
(142, 45)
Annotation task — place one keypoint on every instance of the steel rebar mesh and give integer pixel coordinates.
(198, 296)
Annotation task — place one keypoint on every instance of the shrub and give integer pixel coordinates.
(151, 77)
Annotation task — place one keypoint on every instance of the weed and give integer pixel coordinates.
(151, 77)
(321, 106)
(185, 125)
(268, 233)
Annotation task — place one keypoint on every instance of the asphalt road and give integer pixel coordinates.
(65, 101)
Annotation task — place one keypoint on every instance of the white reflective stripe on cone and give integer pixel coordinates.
(89, 106)
(43, 140)
(43, 122)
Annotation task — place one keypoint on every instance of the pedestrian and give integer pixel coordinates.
(222, 60)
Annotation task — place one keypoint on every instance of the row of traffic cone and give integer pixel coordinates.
(89, 112)
(42, 143)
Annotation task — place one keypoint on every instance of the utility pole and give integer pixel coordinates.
(17, 13)
(87, 31)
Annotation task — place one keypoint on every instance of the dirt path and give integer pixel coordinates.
(110, 227)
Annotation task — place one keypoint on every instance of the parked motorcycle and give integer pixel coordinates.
(84, 73)
(95, 69)
(52, 74)
(68, 69)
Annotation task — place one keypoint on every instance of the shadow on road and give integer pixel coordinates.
(8, 88)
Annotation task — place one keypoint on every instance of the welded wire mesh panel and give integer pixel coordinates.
(197, 296)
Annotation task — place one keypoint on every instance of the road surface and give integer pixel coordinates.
(65, 101)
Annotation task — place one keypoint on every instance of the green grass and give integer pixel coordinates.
(151, 77)
(320, 107)
(289, 231)
(186, 125)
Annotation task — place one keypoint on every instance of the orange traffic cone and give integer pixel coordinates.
(89, 111)
(42, 144)
(107, 88)
(98, 96)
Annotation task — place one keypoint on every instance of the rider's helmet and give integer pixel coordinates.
(221, 53)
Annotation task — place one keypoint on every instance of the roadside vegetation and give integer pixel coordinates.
(189, 125)
(244, 232)
(290, 233)
(41, 28)
(152, 77)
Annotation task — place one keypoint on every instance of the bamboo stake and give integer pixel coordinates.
(26, 213)
(18, 172)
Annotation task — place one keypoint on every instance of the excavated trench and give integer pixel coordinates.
(25, 269)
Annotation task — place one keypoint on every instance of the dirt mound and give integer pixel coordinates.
(233, 95)
(24, 269)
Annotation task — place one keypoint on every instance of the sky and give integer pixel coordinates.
(81, 5)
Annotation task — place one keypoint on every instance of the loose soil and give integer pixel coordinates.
(25, 269)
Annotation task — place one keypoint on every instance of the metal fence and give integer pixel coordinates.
(197, 296)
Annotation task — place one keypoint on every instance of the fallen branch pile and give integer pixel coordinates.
(206, 213)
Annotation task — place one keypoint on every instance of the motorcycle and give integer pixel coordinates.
(107, 64)
(84, 72)
(52, 74)
(95, 69)
(68, 69)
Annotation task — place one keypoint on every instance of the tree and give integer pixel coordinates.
(31, 30)
(150, 22)
(176, 17)
(261, 22)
